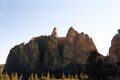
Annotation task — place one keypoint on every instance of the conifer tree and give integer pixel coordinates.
(69, 76)
(76, 77)
(72, 77)
(13, 76)
(16, 76)
(53, 77)
(48, 76)
(20, 78)
(63, 76)
(29, 78)
(83, 77)
(36, 77)
(42, 76)
(5, 76)
(32, 77)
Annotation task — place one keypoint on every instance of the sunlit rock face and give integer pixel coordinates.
(77, 47)
(50, 53)
(114, 50)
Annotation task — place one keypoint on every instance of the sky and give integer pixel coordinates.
(20, 20)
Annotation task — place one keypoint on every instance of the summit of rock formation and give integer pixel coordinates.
(54, 33)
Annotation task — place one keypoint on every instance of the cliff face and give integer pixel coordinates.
(77, 47)
(50, 53)
(114, 50)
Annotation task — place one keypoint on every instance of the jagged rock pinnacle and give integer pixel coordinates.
(71, 34)
(71, 29)
(54, 33)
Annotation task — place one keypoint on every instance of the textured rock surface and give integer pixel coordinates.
(51, 53)
(52, 56)
(77, 47)
(114, 50)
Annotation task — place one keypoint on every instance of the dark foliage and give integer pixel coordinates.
(98, 69)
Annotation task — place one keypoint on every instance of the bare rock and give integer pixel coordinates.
(114, 50)
(77, 47)
(52, 55)
(54, 33)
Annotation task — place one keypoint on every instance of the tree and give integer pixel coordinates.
(42, 76)
(36, 77)
(48, 76)
(13, 77)
(16, 76)
(5, 76)
(31, 77)
(92, 64)
(76, 77)
(83, 76)
(53, 78)
(63, 76)
(68, 76)
(20, 78)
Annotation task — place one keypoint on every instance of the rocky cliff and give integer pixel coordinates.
(114, 51)
(50, 53)
(77, 47)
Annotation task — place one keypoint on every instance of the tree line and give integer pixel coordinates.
(15, 76)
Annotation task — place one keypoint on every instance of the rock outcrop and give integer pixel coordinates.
(114, 51)
(52, 57)
(50, 53)
(77, 47)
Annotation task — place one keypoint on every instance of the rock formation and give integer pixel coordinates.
(114, 51)
(50, 53)
(77, 47)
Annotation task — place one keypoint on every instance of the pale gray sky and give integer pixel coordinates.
(20, 20)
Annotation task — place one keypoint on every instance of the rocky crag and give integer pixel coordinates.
(51, 53)
(112, 60)
(114, 51)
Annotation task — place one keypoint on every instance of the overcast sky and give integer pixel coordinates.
(20, 20)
